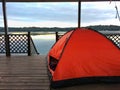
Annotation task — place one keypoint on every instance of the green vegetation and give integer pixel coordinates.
(105, 27)
(36, 29)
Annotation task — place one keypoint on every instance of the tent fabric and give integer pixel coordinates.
(84, 53)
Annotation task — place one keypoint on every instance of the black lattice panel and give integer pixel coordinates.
(2, 44)
(115, 38)
(18, 43)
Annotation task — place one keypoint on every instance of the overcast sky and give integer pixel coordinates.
(60, 14)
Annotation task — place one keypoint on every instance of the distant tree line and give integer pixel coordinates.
(37, 29)
(105, 27)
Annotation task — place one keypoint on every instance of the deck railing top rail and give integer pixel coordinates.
(110, 32)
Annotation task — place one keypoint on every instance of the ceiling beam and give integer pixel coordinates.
(56, 0)
(79, 14)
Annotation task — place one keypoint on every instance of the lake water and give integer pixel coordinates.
(43, 43)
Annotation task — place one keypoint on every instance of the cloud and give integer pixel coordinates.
(59, 14)
(1, 15)
(90, 15)
(102, 22)
(97, 12)
(41, 11)
(0, 9)
(12, 23)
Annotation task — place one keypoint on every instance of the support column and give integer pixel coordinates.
(57, 36)
(29, 47)
(79, 13)
(7, 46)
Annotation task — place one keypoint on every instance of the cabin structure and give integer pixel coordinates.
(29, 71)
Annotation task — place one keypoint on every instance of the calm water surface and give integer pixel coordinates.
(43, 43)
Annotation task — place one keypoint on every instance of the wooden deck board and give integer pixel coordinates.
(30, 73)
(23, 73)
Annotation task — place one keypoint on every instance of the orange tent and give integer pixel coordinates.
(83, 56)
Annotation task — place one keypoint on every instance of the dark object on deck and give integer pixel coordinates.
(83, 56)
(53, 63)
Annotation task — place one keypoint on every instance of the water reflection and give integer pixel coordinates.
(43, 43)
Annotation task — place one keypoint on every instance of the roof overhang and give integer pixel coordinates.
(55, 0)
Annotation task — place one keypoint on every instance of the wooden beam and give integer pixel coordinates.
(29, 47)
(79, 14)
(57, 36)
(55, 0)
(7, 46)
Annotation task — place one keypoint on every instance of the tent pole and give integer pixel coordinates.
(7, 46)
(79, 13)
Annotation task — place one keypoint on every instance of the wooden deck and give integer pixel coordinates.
(23, 73)
(30, 73)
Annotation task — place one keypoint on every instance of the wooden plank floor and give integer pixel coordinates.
(23, 73)
(30, 73)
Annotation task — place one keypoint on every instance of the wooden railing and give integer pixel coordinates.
(23, 43)
(32, 46)
(2, 43)
(19, 44)
(58, 35)
(113, 36)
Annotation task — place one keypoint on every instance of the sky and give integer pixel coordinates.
(62, 14)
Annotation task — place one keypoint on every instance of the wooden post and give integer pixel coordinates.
(79, 13)
(29, 47)
(57, 37)
(7, 46)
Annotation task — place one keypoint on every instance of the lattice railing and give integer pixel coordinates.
(115, 38)
(19, 43)
(2, 44)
